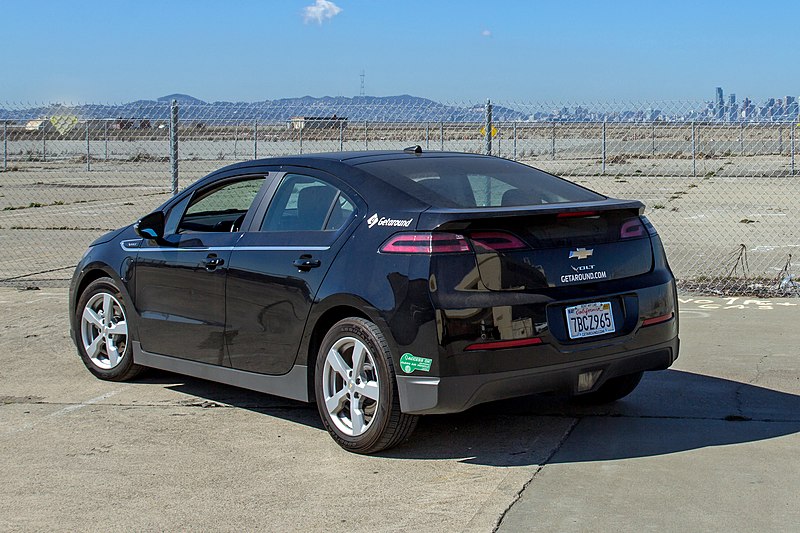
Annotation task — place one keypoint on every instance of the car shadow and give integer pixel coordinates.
(671, 411)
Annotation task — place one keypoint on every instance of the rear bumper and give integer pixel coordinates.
(439, 395)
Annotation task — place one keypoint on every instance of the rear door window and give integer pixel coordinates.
(305, 203)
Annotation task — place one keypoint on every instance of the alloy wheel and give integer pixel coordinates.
(350, 386)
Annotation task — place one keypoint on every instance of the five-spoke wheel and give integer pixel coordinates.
(103, 332)
(350, 386)
(355, 389)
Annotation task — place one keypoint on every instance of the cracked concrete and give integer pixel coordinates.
(708, 445)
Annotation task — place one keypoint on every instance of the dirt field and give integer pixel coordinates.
(720, 223)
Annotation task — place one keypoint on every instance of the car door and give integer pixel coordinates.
(180, 283)
(277, 267)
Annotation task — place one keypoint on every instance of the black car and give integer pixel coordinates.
(383, 286)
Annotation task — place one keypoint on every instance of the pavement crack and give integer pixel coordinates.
(547, 459)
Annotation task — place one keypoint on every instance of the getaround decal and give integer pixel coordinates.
(409, 363)
(376, 220)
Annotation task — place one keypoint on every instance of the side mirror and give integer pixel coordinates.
(151, 226)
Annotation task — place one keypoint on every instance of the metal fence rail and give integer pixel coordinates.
(720, 190)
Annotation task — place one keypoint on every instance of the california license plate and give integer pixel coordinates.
(588, 320)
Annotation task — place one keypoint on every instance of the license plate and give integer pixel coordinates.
(588, 320)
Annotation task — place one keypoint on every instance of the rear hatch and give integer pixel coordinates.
(530, 248)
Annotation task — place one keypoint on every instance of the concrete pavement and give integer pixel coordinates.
(711, 445)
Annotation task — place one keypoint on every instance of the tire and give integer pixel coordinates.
(102, 337)
(361, 410)
(612, 390)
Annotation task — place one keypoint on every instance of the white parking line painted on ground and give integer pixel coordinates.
(61, 412)
(732, 303)
(691, 313)
(75, 407)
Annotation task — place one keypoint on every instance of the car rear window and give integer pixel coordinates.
(469, 182)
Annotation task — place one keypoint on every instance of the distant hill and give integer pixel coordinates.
(401, 108)
(181, 98)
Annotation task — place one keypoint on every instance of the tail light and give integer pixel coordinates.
(657, 320)
(497, 241)
(425, 243)
(648, 225)
(631, 228)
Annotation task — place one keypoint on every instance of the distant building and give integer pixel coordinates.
(747, 109)
(301, 123)
(719, 108)
(39, 124)
(732, 111)
(791, 106)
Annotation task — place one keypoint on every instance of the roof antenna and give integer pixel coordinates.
(413, 149)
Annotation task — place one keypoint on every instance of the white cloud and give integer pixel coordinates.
(320, 10)
(486, 33)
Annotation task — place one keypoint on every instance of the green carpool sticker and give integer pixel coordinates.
(409, 363)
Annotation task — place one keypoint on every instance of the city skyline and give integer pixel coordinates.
(586, 51)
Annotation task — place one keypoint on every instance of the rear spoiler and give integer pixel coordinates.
(434, 217)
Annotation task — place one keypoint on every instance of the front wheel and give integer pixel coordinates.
(355, 389)
(103, 339)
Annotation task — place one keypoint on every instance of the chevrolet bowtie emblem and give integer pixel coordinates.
(580, 253)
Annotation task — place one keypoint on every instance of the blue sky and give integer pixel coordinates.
(555, 51)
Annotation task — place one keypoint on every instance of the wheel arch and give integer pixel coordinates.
(92, 273)
(330, 313)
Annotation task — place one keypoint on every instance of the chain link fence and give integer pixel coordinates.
(719, 184)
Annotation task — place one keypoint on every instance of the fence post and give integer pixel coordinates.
(515, 140)
(5, 145)
(654, 138)
(255, 138)
(488, 127)
(235, 140)
(427, 136)
(780, 139)
(694, 153)
(173, 145)
(88, 150)
(44, 141)
(604, 146)
(792, 141)
(553, 140)
(301, 140)
(741, 138)
(341, 135)
(441, 134)
(366, 136)
(105, 137)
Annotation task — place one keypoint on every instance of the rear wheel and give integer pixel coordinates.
(612, 390)
(103, 340)
(355, 389)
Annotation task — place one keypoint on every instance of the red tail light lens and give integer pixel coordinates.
(631, 228)
(425, 243)
(497, 345)
(657, 320)
(496, 240)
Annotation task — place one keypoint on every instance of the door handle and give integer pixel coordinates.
(306, 263)
(212, 262)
